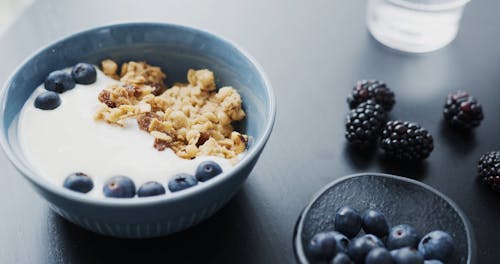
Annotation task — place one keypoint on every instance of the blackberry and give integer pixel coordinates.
(488, 169)
(462, 110)
(406, 141)
(363, 124)
(371, 90)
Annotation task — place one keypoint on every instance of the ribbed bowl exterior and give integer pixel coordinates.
(154, 228)
(148, 220)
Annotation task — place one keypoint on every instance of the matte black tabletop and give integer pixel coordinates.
(313, 52)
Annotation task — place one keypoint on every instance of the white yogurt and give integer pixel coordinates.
(67, 139)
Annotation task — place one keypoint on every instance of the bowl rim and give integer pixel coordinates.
(42, 183)
(298, 248)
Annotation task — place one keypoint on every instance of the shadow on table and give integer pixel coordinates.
(362, 159)
(461, 142)
(359, 158)
(416, 170)
(220, 239)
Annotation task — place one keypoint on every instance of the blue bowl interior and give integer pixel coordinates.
(403, 201)
(174, 48)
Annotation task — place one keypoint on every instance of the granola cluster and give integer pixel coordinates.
(192, 119)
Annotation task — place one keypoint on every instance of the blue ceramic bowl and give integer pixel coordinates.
(176, 49)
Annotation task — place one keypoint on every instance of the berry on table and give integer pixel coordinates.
(59, 82)
(462, 110)
(436, 245)
(379, 256)
(150, 188)
(407, 255)
(374, 222)
(406, 141)
(377, 91)
(47, 100)
(364, 123)
(348, 221)
(181, 181)
(488, 168)
(341, 258)
(324, 246)
(119, 187)
(84, 73)
(78, 182)
(207, 170)
(361, 246)
(402, 236)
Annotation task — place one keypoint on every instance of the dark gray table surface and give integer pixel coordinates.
(313, 51)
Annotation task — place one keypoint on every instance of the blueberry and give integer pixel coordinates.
(322, 246)
(47, 101)
(379, 256)
(402, 236)
(348, 221)
(361, 246)
(79, 182)
(59, 82)
(432, 261)
(436, 245)
(341, 258)
(342, 241)
(84, 73)
(407, 255)
(181, 181)
(151, 188)
(374, 223)
(207, 170)
(119, 187)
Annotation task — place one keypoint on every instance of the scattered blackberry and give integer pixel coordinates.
(462, 110)
(407, 141)
(363, 124)
(488, 169)
(365, 90)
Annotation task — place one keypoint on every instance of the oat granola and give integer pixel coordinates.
(192, 119)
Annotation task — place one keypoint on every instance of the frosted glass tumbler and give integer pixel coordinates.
(414, 25)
